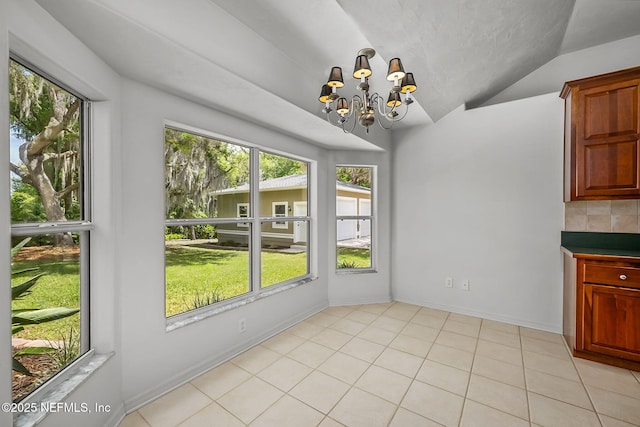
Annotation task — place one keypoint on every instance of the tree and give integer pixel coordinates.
(195, 168)
(274, 166)
(47, 119)
(354, 175)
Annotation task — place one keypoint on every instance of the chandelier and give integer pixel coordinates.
(366, 107)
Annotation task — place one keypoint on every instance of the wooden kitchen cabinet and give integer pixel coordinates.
(602, 136)
(602, 323)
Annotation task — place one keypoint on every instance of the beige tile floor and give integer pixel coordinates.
(402, 365)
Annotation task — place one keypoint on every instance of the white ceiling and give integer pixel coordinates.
(267, 60)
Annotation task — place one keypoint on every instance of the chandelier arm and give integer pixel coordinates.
(352, 127)
(382, 110)
(383, 127)
(354, 104)
(355, 101)
(381, 107)
(406, 110)
(329, 120)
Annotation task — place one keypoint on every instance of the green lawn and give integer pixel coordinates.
(358, 257)
(59, 287)
(191, 273)
(195, 273)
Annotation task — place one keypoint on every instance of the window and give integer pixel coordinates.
(243, 212)
(354, 217)
(283, 184)
(49, 191)
(217, 245)
(279, 210)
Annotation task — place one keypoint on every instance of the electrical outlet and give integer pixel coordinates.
(448, 282)
(242, 325)
(465, 285)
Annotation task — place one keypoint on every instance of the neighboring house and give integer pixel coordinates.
(284, 197)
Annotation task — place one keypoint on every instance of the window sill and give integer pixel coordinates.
(185, 319)
(59, 388)
(342, 271)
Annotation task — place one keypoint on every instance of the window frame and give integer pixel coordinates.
(239, 215)
(254, 221)
(283, 225)
(83, 227)
(371, 218)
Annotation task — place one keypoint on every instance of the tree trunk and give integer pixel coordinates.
(33, 156)
(48, 195)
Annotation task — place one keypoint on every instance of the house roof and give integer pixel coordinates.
(291, 182)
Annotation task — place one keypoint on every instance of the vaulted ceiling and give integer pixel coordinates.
(267, 60)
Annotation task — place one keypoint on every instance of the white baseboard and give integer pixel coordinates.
(217, 359)
(117, 415)
(358, 301)
(548, 327)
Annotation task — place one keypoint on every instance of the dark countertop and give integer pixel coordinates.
(614, 244)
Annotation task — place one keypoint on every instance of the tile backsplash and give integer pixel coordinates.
(618, 216)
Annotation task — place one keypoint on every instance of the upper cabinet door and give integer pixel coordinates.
(602, 137)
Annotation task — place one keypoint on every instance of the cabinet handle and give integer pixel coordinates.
(623, 277)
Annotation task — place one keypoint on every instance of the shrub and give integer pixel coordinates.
(67, 349)
(174, 236)
(205, 231)
(31, 316)
(347, 264)
(207, 298)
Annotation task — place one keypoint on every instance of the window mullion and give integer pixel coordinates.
(254, 211)
(85, 292)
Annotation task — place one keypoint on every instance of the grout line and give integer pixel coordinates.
(524, 376)
(584, 385)
(473, 361)
(412, 378)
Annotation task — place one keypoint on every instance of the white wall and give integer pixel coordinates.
(128, 247)
(478, 196)
(592, 61)
(5, 218)
(185, 352)
(371, 287)
(33, 35)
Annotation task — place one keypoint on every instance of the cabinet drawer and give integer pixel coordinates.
(612, 275)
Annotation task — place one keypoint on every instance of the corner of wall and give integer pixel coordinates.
(5, 300)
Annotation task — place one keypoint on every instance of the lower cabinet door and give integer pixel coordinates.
(612, 321)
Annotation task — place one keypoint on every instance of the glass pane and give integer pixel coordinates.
(200, 273)
(353, 198)
(45, 281)
(204, 177)
(283, 186)
(353, 183)
(280, 209)
(284, 252)
(45, 149)
(354, 243)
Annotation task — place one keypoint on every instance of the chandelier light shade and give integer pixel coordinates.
(366, 108)
(325, 94)
(343, 106)
(362, 68)
(335, 78)
(394, 99)
(408, 83)
(396, 71)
